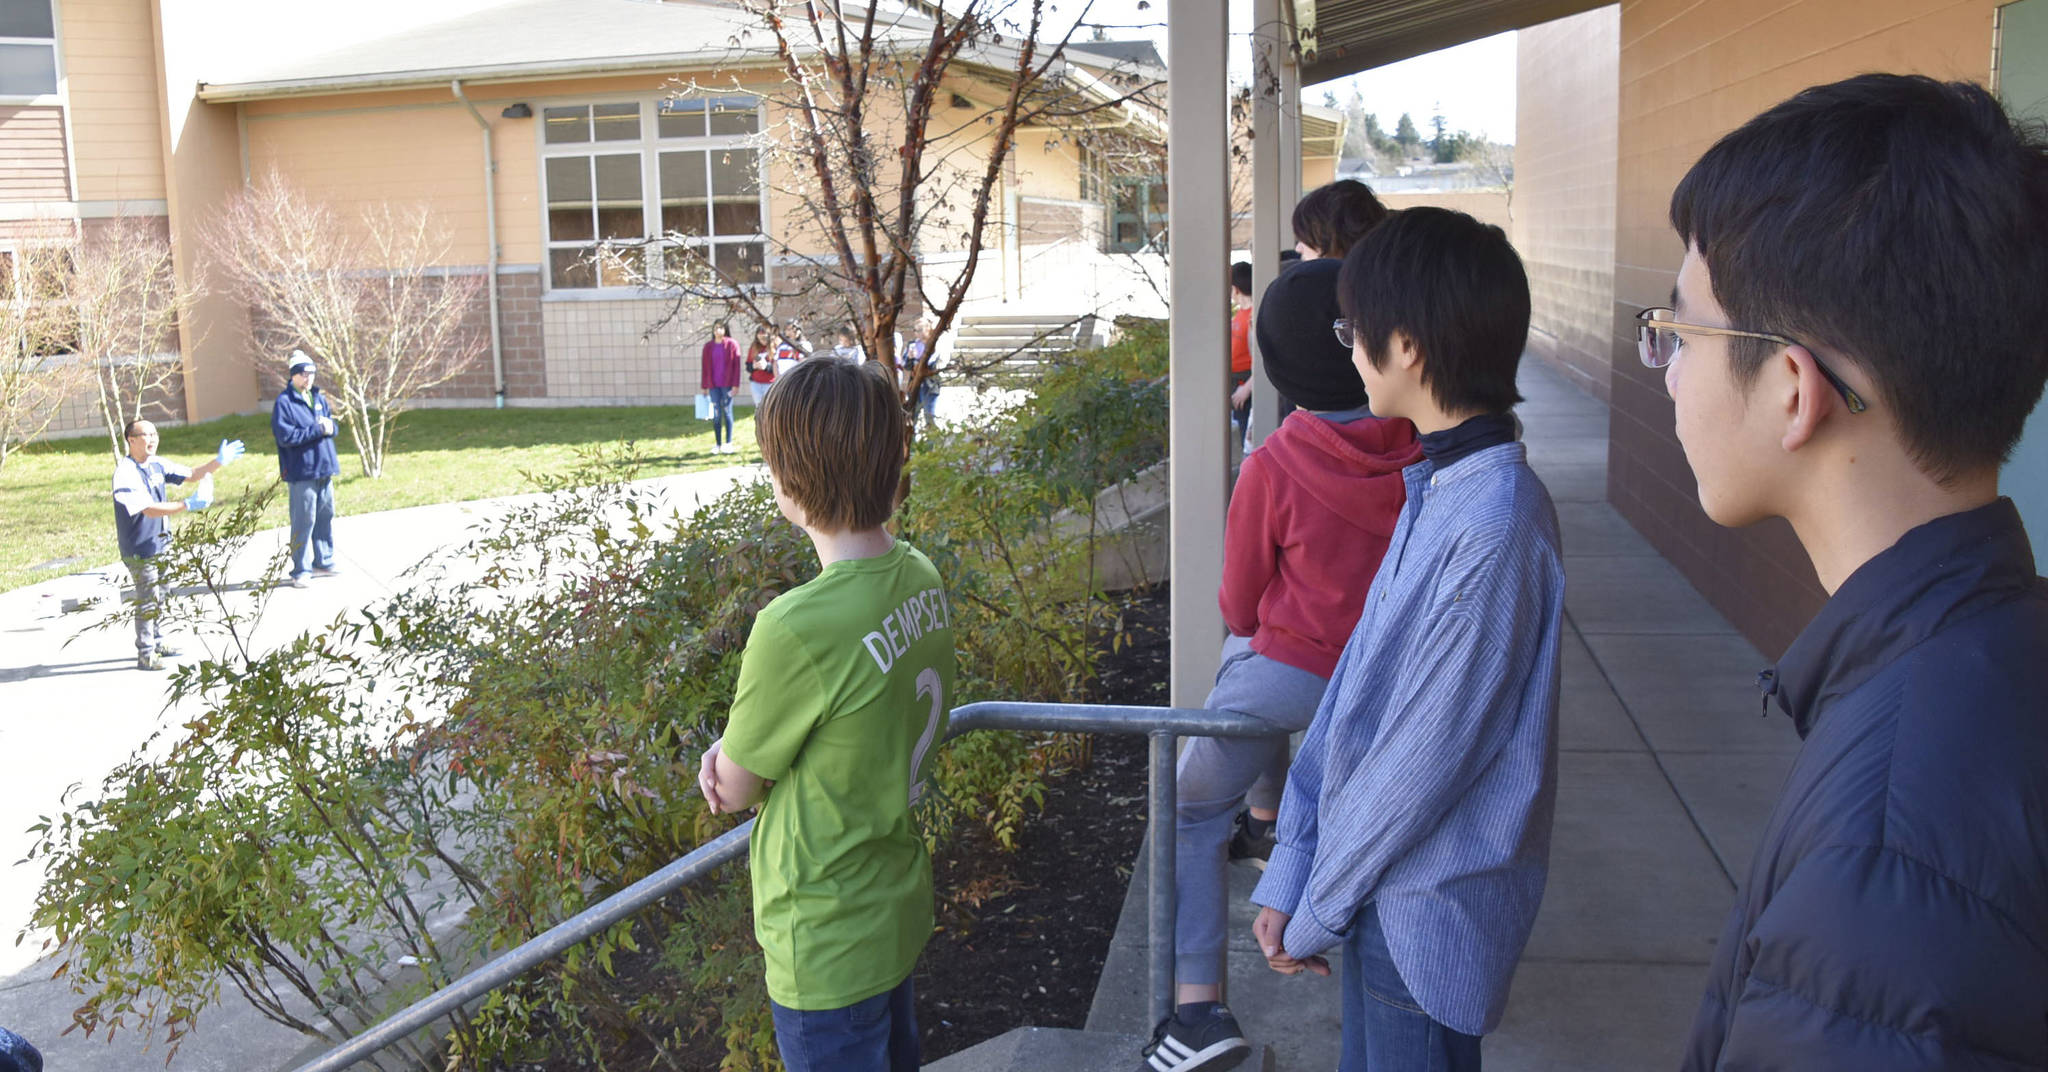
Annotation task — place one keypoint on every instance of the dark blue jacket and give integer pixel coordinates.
(1896, 913)
(304, 452)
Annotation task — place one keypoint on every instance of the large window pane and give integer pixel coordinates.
(735, 171)
(26, 18)
(28, 70)
(734, 115)
(566, 126)
(680, 119)
(619, 212)
(689, 219)
(682, 176)
(569, 200)
(571, 268)
(739, 262)
(737, 217)
(617, 122)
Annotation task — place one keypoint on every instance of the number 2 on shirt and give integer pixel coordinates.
(928, 684)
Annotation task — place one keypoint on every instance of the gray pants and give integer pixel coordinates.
(146, 596)
(1216, 774)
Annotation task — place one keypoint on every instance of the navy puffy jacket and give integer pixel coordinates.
(1896, 912)
(304, 452)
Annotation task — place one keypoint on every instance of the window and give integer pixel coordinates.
(28, 49)
(691, 193)
(1138, 214)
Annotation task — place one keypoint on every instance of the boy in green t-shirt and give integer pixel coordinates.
(842, 696)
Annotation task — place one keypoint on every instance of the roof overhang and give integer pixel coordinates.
(440, 77)
(1344, 37)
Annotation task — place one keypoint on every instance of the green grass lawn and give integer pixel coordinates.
(56, 499)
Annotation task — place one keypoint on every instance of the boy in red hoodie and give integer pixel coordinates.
(1310, 518)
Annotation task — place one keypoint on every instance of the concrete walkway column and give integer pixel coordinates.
(1268, 45)
(1199, 213)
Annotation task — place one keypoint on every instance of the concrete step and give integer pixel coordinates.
(1039, 1049)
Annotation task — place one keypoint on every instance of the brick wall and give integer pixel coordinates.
(1565, 101)
(1689, 73)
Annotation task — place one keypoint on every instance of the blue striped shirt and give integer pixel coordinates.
(1427, 780)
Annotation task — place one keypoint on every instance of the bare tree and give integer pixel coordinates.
(889, 156)
(124, 302)
(365, 296)
(1494, 165)
(37, 375)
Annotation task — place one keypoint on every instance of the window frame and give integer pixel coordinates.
(649, 146)
(56, 94)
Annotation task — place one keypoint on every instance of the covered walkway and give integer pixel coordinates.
(1667, 774)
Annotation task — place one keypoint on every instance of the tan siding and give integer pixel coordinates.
(110, 75)
(32, 163)
(1566, 84)
(1690, 72)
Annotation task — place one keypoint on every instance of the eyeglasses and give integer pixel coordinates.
(1343, 329)
(1658, 341)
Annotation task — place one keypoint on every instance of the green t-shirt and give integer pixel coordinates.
(842, 696)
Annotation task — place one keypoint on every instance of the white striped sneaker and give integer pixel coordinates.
(1211, 1044)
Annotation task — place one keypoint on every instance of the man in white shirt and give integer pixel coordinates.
(140, 507)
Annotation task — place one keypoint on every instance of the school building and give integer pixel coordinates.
(537, 129)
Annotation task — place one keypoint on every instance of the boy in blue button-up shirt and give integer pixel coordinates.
(1415, 828)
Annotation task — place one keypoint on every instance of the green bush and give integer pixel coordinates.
(516, 738)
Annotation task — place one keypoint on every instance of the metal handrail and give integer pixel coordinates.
(1161, 724)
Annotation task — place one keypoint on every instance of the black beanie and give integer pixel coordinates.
(1304, 360)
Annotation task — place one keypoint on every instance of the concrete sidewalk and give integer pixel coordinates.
(73, 706)
(1666, 776)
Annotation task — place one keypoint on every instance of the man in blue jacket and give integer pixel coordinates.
(1858, 339)
(303, 425)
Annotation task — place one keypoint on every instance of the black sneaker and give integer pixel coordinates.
(1210, 1044)
(1247, 847)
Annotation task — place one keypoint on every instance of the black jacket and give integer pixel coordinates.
(1896, 913)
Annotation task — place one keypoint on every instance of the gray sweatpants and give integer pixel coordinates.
(146, 596)
(1215, 775)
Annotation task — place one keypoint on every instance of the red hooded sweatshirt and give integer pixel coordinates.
(1309, 521)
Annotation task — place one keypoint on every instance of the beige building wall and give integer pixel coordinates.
(110, 75)
(1565, 100)
(33, 165)
(1689, 73)
(1487, 206)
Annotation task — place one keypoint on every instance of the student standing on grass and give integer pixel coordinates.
(719, 376)
(1310, 517)
(791, 349)
(139, 511)
(1858, 339)
(303, 424)
(1416, 825)
(842, 697)
(761, 361)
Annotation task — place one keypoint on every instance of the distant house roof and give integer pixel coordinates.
(517, 39)
(1138, 52)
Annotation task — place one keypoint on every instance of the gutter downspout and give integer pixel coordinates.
(491, 225)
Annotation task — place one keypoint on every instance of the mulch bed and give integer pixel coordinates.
(1030, 952)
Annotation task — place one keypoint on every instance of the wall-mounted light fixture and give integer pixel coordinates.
(522, 110)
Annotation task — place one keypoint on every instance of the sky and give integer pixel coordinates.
(1473, 83)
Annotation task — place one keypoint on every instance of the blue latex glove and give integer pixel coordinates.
(230, 449)
(196, 503)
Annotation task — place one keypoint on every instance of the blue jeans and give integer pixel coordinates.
(312, 503)
(721, 414)
(876, 1035)
(1384, 1029)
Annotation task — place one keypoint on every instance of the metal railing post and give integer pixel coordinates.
(1163, 807)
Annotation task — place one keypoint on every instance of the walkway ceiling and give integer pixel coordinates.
(1343, 37)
